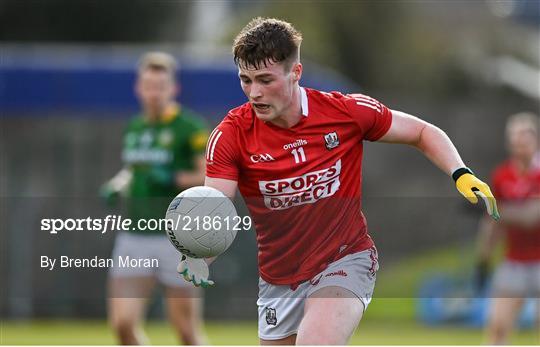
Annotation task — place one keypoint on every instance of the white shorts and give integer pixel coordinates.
(517, 279)
(163, 258)
(281, 309)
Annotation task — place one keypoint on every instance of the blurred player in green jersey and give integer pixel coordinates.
(162, 155)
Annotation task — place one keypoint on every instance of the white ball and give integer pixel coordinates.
(201, 222)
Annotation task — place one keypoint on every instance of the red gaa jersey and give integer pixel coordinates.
(509, 185)
(301, 184)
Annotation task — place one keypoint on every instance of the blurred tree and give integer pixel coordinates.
(379, 44)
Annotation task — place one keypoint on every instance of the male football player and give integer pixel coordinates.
(516, 183)
(163, 153)
(295, 154)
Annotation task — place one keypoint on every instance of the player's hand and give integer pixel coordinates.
(109, 194)
(195, 270)
(113, 188)
(471, 187)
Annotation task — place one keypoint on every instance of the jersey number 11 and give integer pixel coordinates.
(299, 155)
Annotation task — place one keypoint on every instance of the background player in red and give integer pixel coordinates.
(516, 184)
(295, 155)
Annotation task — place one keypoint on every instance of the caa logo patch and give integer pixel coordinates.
(263, 157)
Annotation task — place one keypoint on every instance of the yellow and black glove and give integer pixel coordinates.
(470, 187)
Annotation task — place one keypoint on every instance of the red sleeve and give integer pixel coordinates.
(371, 116)
(222, 151)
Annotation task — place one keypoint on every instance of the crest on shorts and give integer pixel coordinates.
(331, 140)
(271, 318)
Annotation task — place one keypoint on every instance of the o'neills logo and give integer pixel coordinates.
(337, 273)
(297, 143)
(306, 189)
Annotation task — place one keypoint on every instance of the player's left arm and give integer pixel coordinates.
(490, 233)
(195, 177)
(438, 148)
(195, 145)
(525, 214)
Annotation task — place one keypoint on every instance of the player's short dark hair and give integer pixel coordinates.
(266, 40)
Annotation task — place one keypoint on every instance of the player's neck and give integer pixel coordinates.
(293, 114)
(153, 115)
(522, 164)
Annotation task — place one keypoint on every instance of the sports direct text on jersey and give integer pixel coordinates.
(306, 189)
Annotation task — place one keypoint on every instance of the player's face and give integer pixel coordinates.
(155, 90)
(270, 89)
(522, 141)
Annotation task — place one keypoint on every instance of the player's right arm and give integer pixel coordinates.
(116, 185)
(525, 215)
(489, 235)
(226, 186)
(119, 183)
(196, 270)
(221, 174)
(222, 159)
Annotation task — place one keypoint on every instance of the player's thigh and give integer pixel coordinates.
(130, 245)
(504, 310)
(331, 315)
(184, 304)
(510, 287)
(280, 312)
(128, 298)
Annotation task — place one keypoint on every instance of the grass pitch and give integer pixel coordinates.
(388, 321)
(370, 332)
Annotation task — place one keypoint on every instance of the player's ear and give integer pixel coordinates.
(297, 71)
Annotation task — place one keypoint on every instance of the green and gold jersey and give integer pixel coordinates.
(154, 152)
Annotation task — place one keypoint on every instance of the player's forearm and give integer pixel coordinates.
(210, 260)
(524, 215)
(227, 187)
(185, 179)
(121, 180)
(488, 236)
(195, 177)
(438, 148)
(429, 139)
